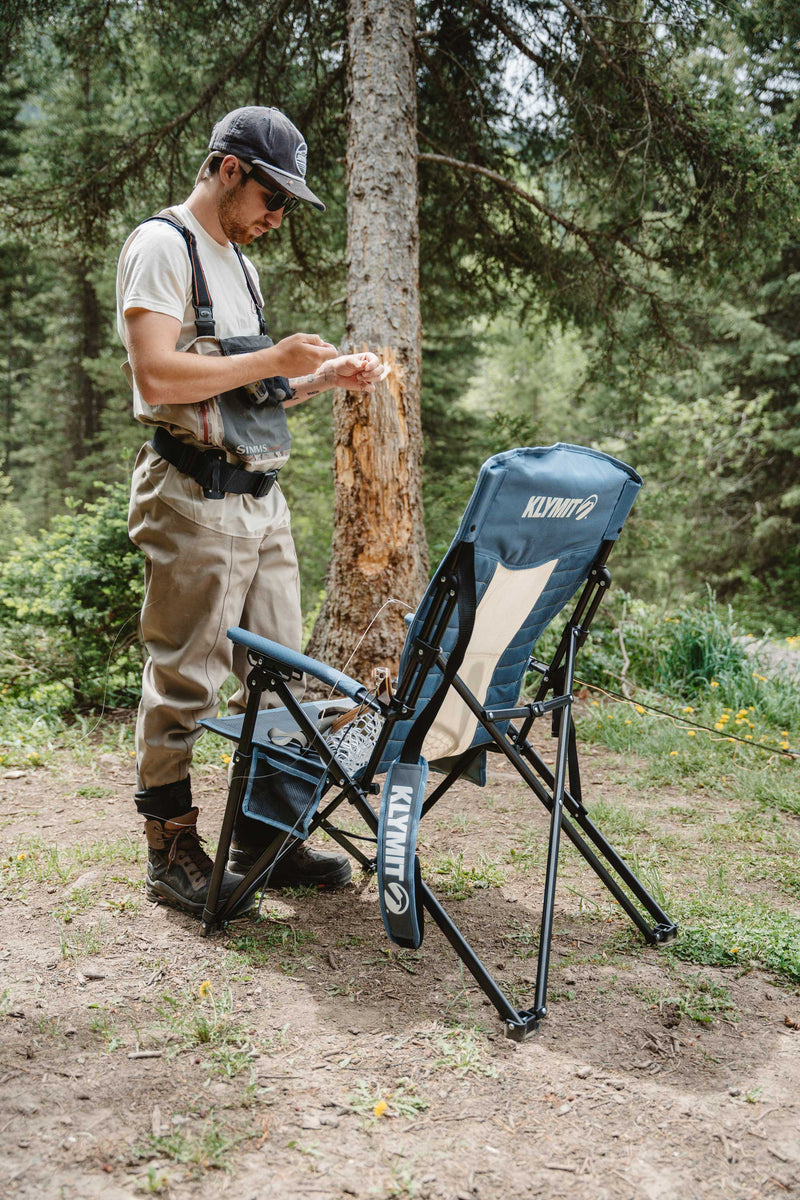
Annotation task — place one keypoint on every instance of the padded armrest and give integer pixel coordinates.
(301, 662)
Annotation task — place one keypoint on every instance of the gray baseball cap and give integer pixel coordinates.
(268, 140)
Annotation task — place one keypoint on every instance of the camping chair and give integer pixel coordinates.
(539, 526)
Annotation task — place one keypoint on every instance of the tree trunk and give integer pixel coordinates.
(90, 319)
(379, 550)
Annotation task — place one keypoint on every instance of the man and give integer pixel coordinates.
(205, 508)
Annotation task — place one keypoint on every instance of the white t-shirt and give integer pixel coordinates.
(154, 273)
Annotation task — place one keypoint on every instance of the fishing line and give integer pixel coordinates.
(678, 720)
(409, 608)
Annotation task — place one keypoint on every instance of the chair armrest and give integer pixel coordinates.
(301, 662)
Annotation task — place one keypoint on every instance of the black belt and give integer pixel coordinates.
(211, 469)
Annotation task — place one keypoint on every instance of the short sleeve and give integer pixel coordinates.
(154, 272)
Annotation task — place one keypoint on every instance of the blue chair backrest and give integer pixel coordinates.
(536, 520)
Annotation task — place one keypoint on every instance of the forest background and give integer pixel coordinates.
(609, 199)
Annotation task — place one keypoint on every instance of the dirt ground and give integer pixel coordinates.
(305, 1055)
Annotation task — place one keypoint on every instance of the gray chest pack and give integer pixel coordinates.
(254, 424)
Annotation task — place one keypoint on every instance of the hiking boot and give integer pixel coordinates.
(299, 866)
(178, 868)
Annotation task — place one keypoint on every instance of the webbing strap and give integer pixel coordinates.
(464, 570)
(399, 887)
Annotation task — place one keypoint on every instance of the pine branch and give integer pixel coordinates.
(509, 32)
(588, 236)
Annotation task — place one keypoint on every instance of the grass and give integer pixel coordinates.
(105, 1028)
(79, 943)
(709, 825)
(728, 742)
(459, 1050)
(33, 735)
(32, 860)
(154, 1183)
(522, 940)
(204, 1143)
(374, 1102)
(699, 999)
(732, 930)
(203, 1019)
(453, 878)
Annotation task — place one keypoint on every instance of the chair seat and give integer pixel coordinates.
(275, 719)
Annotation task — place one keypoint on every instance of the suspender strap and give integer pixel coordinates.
(201, 300)
(254, 296)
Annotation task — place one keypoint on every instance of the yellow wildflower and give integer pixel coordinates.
(204, 991)
(713, 683)
(688, 709)
(639, 709)
(380, 1108)
(691, 733)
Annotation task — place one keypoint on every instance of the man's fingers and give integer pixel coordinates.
(364, 367)
(315, 340)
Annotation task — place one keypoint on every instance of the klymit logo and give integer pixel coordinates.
(560, 506)
(301, 158)
(394, 840)
(395, 897)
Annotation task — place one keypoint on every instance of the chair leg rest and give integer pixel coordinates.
(666, 932)
(525, 1026)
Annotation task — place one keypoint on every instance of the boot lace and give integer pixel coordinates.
(188, 842)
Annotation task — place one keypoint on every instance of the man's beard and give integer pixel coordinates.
(232, 227)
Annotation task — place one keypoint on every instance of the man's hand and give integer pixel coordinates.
(303, 354)
(354, 372)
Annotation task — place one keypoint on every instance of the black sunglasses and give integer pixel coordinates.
(278, 199)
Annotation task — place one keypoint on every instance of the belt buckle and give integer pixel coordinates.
(265, 483)
(213, 461)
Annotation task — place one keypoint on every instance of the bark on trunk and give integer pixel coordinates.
(379, 549)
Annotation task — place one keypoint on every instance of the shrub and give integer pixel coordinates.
(695, 653)
(69, 600)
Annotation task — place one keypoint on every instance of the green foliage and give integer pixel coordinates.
(697, 650)
(737, 931)
(68, 605)
(550, 201)
(700, 1000)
